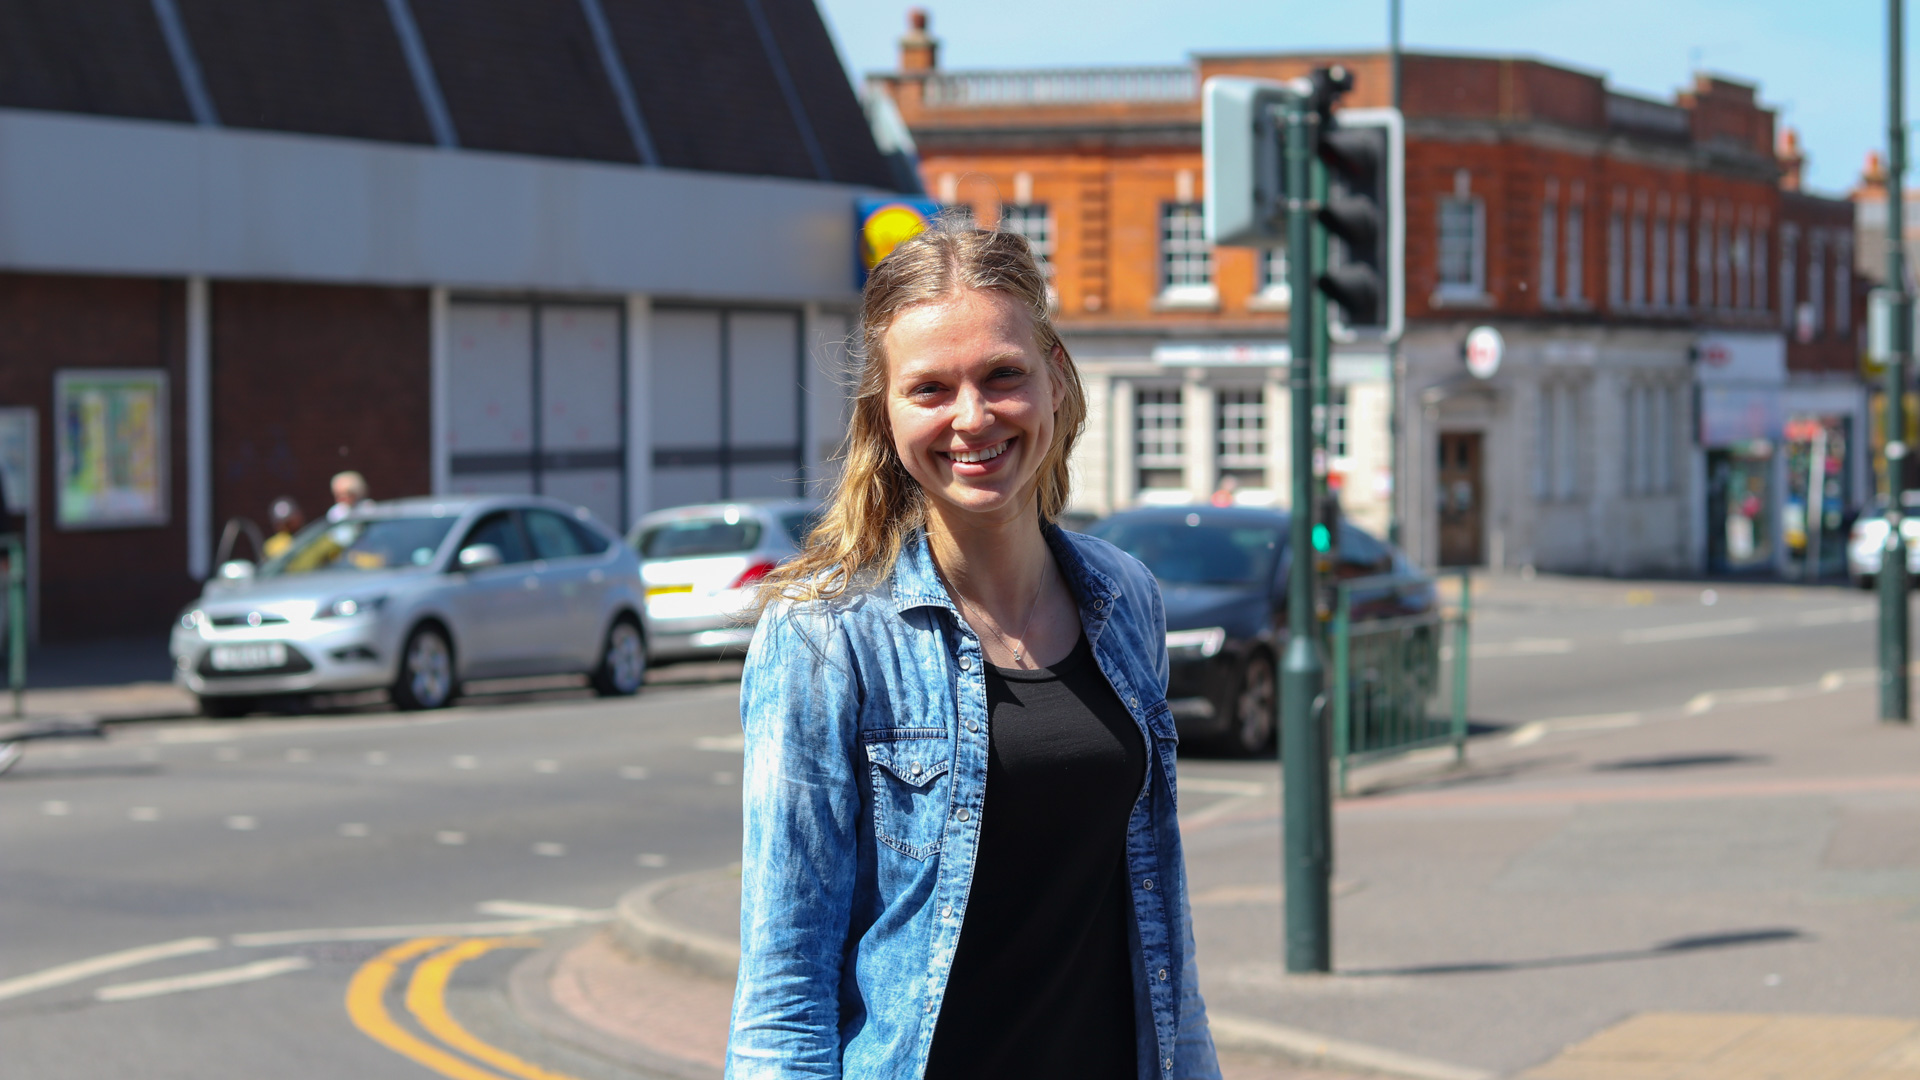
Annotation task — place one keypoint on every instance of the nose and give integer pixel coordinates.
(970, 412)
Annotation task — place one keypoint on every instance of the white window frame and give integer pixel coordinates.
(1275, 292)
(1034, 221)
(1682, 299)
(1473, 290)
(1183, 242)
(1240, 430)
(1661, 299)
(1159, 433)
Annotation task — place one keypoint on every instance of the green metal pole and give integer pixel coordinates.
(1308, 843)
(1396, 378)
(1342, 686)
(1318, 311)
(1461, 648)
(1892, 579)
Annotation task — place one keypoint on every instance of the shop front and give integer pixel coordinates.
(1739, 378)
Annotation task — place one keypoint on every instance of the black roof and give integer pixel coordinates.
(735, 86)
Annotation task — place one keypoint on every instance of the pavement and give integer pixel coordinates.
(1718, 891)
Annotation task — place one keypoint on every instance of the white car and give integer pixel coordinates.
(1868, 539)
(701, 564)
(418, 596)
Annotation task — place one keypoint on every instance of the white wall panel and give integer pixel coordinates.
(490, 378)
(686, 378)
(579, 377)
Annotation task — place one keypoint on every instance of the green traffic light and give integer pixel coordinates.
(1320, 538)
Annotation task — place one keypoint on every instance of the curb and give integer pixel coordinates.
(641, 928)
(531, 999)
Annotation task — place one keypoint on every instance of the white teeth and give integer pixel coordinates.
(974, 457)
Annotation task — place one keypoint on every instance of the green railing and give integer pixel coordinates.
(16, 554)
(1388, 674)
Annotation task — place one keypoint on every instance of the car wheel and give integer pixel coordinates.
(623, 661)
(426, 671)
(220, 707)
(1253, 704)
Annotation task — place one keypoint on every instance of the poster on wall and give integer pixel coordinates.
(110, 442)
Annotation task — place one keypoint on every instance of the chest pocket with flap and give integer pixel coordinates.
(912, 787)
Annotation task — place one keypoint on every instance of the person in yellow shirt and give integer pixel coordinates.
(287, 519)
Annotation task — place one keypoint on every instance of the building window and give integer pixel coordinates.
(1843, 283)
(1760, 266)
(1186, 261)
(1462, 249)
(1789, 241)
(1616, 257)
(1742, 267)
(1031, 221)
(1680, 257)
(1637, 260)
(1240, 419)
(1566, 450)
(1660, 256)
(1576, 245)
(1816, 320)
(1549, 234)
(1160, 446)
(1276, 284)
(1703, 260)
(1723, 262)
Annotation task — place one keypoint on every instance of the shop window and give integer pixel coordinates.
(1723, 265)
(1556, 443)
(1240, 420)
(1160, 449)
(1032, 222)
(1703, 259)
(1186, 259)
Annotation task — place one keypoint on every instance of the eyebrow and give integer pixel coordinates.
(910, 374)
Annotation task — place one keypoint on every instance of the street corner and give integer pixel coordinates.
(1742, 1046)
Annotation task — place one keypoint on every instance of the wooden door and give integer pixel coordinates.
(1461, 500)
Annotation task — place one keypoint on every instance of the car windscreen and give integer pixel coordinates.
(1199, 554)
(693, 537)
(362, 544)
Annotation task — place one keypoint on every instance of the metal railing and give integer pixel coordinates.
(1062, 86)
(1389, 680)
(16, 552)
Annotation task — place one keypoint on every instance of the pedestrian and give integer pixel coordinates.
(349, 491)
(1223, 492)
(961, 856)
(286, 520)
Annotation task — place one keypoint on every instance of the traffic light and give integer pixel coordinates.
(1245, 204)
(1364, 214)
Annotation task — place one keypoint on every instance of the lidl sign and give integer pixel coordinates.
(881, 224)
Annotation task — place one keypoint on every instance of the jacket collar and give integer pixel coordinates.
(916, 582)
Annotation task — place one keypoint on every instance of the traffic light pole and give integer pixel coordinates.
(1892, 579)
(1318, 310)
(1308, 852)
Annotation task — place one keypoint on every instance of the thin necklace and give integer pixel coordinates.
(1031, 608)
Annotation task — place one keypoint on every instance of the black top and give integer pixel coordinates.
(1042, 985)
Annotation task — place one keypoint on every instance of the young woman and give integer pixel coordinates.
(961, 853)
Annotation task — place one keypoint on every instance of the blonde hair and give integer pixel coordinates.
(876, 504)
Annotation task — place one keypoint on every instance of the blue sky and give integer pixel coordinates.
(1821, 63)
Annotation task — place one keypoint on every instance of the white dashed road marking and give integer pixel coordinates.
(376, 757)
(242, 822)
(144, 813)
(550, 849)
(353, 828)
(450, 837)
(466, 761)
(546, 765)
(651, 861)
(55, 808)
(1689, 631)
(100, 965)
(523, 910)
(262, 969)
(633, 772)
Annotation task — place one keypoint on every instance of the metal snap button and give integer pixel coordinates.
(964, 815)
(916, 768)
(947, 912)
(1163, 974)
(973, 725)
(1147, 884)
(1167, 1064)
(966, 663)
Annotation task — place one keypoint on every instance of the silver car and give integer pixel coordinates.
(1868, 539)
(700, 564)
(417, 596)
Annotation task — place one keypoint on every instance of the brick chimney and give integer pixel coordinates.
(919, 51)
(1792, 159)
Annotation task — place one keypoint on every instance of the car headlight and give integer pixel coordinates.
(192, 619)
(1195, 644)
(346, 607)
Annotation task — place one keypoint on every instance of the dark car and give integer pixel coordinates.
(1223, 578)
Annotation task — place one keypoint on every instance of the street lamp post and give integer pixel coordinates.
(1892, 578)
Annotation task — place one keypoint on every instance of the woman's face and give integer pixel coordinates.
(971, 401)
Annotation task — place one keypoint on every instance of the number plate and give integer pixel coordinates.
(250, 657)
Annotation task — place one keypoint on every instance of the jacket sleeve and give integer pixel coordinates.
(801, 794)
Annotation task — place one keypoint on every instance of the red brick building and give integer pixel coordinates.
(1614, 240)
(591, 249)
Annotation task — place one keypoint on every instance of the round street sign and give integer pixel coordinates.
(1485, 347)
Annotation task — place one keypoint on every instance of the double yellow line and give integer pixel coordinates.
(426, 999)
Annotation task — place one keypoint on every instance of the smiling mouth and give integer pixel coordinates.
(975, 457)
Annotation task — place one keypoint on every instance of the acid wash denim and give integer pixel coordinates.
(865, 792)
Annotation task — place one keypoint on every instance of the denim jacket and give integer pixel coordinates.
(865, 789)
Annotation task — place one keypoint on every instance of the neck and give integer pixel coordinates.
(994, 564)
